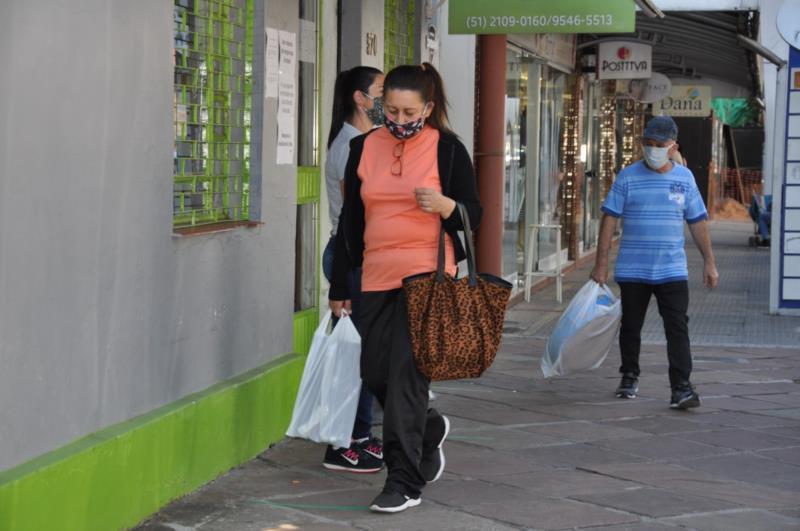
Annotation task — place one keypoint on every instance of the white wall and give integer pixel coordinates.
(104, 314)
(457, 67)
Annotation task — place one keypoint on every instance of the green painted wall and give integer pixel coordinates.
(114, 478)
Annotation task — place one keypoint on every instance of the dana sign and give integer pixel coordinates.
(624, 60)
(686, 100)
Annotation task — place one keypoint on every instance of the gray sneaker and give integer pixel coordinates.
(684, 397)
(628, 386)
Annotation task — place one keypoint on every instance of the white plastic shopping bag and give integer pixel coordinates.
(327, 400)
(584, 333)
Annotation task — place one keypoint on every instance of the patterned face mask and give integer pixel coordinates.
(375, 114)
(408, 129)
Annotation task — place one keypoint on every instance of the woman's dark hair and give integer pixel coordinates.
(428, 83)
(347, 82)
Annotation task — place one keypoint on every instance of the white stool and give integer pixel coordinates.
(532, 257)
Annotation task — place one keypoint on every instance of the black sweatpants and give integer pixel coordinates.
(389, 371)
(673, 303)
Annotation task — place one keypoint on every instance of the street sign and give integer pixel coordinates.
(541, 16)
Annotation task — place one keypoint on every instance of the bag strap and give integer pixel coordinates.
(470, 244)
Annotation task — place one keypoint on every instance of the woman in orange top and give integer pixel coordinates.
(402, 183)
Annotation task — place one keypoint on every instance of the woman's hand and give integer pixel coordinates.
(337, 307)
(433, 202)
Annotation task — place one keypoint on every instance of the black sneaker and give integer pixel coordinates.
(684, 397)
(372, 446)
(390, 501)
(628, 386)
(351, 460)
(432, 463)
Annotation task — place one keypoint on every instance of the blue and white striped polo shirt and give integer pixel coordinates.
(653, 207)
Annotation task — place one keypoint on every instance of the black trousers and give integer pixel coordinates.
(389, 371)
(673, 303)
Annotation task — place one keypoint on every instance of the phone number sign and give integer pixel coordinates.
(541, 16)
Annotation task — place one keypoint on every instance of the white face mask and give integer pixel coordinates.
(657, 157)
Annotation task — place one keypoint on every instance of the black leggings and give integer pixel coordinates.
(389, 371)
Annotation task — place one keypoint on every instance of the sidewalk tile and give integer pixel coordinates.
(746, 520)
(551, 514)
(653, 502)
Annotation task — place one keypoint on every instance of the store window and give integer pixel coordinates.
(213, 79)
(590, 157)
(533, 122)
(551, 123)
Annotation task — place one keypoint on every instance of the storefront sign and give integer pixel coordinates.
(541, 16)
(556, 48)
(686, 100)
(624, 60)
(650, 90)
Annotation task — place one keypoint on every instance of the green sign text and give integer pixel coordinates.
(542, 16)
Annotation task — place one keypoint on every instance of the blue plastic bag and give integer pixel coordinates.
(584, 333)
(327, 400)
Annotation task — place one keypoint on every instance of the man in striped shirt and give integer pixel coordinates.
(654, 197)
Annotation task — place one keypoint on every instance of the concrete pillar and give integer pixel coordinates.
(361, 38)
(490, 150)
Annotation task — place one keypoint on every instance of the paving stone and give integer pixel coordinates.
(474, 462)
(551, 514)
(752, 469)
(425, 518)
(738, 420)
(743, 439)
(787, 431)
(564, 482)
(732, 403)
(578, 454)
(786, 399)
(653, 502)
(467, 492)
(643, 526)
(657, 425)
(742, 520)
(786, 455)
(504, 439)
(583, 431)
(665, 447)
(792, 413)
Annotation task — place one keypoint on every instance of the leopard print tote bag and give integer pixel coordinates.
(456, 324)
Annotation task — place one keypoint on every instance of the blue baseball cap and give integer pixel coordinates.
(661, 129)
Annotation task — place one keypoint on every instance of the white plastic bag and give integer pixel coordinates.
(584, 333)
(327, 400)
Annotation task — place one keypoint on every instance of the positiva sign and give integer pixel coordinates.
(541, 16)
(624, 60)
(686, 100)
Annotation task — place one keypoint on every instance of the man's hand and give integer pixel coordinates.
(702, 239)
(600, 274)
(433, 202)
(337, 307)
(710, 275)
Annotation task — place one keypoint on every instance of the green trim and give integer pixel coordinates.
(116, 477)
(308, 184)
(305, 324)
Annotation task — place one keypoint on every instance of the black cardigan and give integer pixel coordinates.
(458, 183)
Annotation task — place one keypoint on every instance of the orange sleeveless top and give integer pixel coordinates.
(400, 239)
